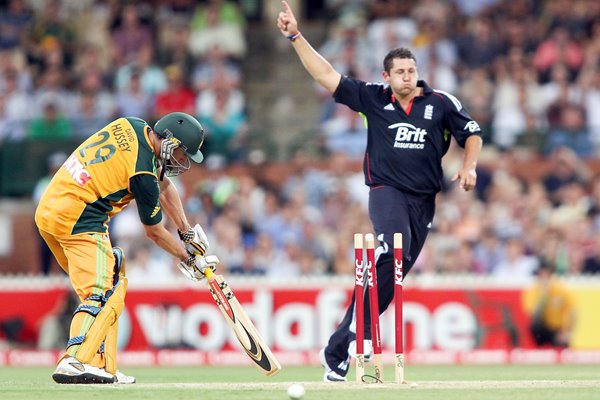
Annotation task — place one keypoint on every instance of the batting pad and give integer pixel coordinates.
(103, 327)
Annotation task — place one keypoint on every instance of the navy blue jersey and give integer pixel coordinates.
(405, 150)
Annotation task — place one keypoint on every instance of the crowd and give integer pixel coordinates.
(68, 67)
(527, 71)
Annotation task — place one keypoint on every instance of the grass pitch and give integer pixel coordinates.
(227, 383)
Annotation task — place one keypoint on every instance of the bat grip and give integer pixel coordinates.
(209, 273)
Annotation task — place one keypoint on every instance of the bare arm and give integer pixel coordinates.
(317, 66)
(163, 239)
(171, 204)
(467, 174)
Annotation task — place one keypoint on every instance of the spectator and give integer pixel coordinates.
(145, 266)
(152, 78)
(590, 86)
(558, 48)
(346, 133)
(565, 168)
(89, 117)
(591, 264)
(91, 90)
(130, 36)
(386, 33)
(305, 178)
(47, 33)
(218, 22)
(557, 93)
(488, 252)
(348, 48)
(16, 108)
(90, 60)
(478, 48)
(551, 307)
(438, 73)
(52, 88)
(132, 100)
(13, 62)
(215, 65)
(178, 95)
(516, 97)
(228, 243)
(52, 125)
(268, 256)
(517, 266)
(432, 40)
(516, 33)
(249, 266)
(572, 133)
(221, 111)
(91, 22)
(15, 17)
(174, 49)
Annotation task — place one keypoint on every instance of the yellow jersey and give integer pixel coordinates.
(554, 304)
(94, 183)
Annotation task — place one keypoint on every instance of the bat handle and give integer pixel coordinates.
(209, 273)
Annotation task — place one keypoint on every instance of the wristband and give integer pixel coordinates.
(293, 36)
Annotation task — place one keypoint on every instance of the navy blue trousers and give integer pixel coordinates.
(391, 211)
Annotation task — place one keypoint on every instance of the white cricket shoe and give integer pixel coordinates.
(70, 370)
(124, 379)
(329, 375)
(367, 349)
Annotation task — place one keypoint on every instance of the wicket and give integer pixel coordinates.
(359, 291)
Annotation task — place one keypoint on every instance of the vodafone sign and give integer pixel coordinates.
(303, 319)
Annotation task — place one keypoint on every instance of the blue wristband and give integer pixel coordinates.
(293, 36)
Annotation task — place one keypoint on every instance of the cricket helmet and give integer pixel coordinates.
(179, 130)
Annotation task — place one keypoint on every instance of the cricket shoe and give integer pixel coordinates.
(123, 379)
(70, 370)
(367, 349)
(329, 375)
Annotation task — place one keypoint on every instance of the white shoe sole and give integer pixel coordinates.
(123, 379)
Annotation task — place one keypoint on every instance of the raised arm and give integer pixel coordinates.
(318, 67)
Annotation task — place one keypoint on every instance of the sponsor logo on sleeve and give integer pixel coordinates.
(472, 127)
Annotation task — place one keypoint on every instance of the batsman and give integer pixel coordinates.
(124, 161)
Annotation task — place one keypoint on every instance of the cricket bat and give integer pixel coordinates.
(245, 331)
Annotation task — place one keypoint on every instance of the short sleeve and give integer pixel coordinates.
(146, 192)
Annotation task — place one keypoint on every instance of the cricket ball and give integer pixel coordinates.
(295, 391)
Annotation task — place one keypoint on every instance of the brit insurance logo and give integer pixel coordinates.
(408, 136)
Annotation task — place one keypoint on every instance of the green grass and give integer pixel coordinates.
(227, 383)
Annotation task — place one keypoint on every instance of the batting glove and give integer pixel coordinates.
(194, 267)
(195, 240)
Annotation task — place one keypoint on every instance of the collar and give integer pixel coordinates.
(422, 84)
(426, 88)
